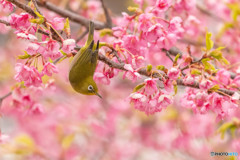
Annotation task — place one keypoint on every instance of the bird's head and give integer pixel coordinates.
(91, 88)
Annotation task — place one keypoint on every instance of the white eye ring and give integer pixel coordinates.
(90, 88)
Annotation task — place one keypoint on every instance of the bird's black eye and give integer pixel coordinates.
(90, 88)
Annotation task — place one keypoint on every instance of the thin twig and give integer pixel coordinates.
(208, 13)
(36, 6)
(173, 51)
(117, 56)
(30, 11)
(168, 55)
(5, 96)
(71, 15)
(108, 23)
(23, 7)
(4, 22)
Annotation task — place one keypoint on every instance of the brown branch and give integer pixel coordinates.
(4, 22)
(208, 13)
(173, 51)
(196, 85)
(169, 56)
(23, 7)
(72, 16)
(108, 23)
(30, 11)
(5, 96)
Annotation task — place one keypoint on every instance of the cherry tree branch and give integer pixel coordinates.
(144, 72)
(23, 7)
(4, 22)
(71, 15)
(5, 96)
(107, 15)
(36, 6)
(31, 12)
(208, 13)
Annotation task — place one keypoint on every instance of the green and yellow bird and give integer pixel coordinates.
(83, 66)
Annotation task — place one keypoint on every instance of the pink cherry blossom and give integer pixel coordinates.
(7, 6)
(205, 84)
(188, 80)
(150, 86)
(29, 75)
(130, 42)
(20, 22)
(163, 4)
(32, 48)
(173, 73)
(58, 23)
(26, 36)
(131, 73)
(167, 41)
(145, 22)
(164, 100)
(118, 31)
(236, 80)
(49, 69)
(223, 76)
(154, 32)
(101, 78)
(175, 25)
(52, 51)
(168, 85)
(236, 96)
(68, 45)
(36, 109)
(138, 99)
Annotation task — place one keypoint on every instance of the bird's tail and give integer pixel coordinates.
(90, 33)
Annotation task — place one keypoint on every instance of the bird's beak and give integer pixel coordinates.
(98, 94)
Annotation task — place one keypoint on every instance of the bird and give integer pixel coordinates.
(83, 66)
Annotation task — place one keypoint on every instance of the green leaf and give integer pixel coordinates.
(235, 10)
(196, 72)
(224, 29)
(160, 67)
(50, 60)
(66, 24)
(149, 68)
(138, 87)
(63, 53)
(209, 42)
(176, 58)
(208, 66)
(133, 9)
(37, 21)
(217, 54)
(25, 56)
(63, 59)
(38, 14)
(223, 128)
(224, 61)
(214, 88)
(175, 89)
(105, 32)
